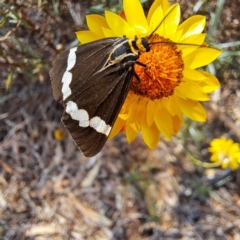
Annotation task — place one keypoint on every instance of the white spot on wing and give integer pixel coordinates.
(66, 80)
(80, 115)
(100, 126)
(71, 58)
(67, 76)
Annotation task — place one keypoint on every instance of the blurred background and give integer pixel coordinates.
(48, 190)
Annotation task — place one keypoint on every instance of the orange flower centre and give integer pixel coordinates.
(164, 70)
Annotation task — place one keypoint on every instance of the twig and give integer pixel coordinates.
(218, 177)
(10, 32)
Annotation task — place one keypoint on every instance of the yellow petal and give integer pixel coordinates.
(135, 16)
(151, 111)
(150, 134)
(193, 25)
(108, 32)
(133, 121)
(197, 40)
(123, 116)
(96, 22)
(224, 165)
(194, 75)
(156, 4)
(201, 57)
(119, 26)
(87, 36)
(176, 37)
(164, 122)
(206, 81)
(118, 125)
(191, 90)
(130, 100)
(131, 132)
(210, 84)
(192, 109)
(163, 4)
(177, 123)
(133, 115)
(171, 105)
(155, 20)
(233, 165)
(170, 22)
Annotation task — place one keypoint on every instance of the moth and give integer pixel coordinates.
(92, 81)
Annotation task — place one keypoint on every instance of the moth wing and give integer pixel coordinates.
(88, 139)
(97, 94)
(86, 59)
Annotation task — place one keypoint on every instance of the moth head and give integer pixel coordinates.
(143, 45)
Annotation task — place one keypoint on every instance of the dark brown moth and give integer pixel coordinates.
(92, 81)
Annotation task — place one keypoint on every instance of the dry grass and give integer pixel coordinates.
(49, 191)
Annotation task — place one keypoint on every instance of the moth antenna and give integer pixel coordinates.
(182, 44)
(204, 45)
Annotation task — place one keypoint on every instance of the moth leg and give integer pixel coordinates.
(137, 77)
(145, 70)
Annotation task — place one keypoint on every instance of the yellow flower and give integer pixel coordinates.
(170, 87)
(225, 152)
(59, 134)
